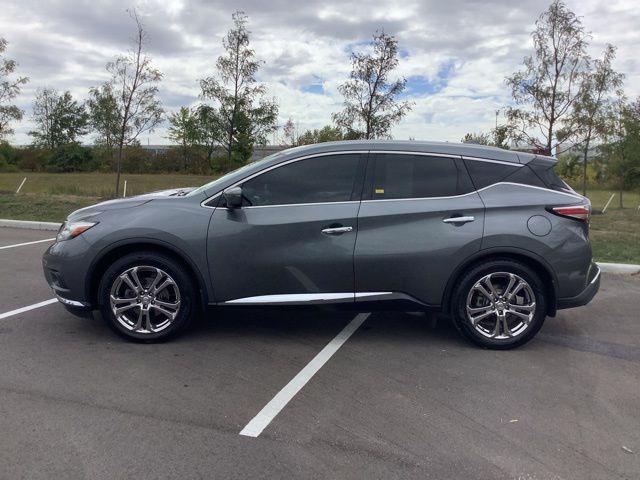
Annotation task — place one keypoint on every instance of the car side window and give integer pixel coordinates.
(328, 178)
(486, 173)
(418, 176)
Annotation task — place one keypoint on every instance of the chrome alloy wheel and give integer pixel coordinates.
(501, 305)
(145, 299)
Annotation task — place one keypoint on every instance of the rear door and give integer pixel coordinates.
(293, 240)
(420, 218)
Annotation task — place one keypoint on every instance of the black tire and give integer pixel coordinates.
(463, 290)
(173, 268)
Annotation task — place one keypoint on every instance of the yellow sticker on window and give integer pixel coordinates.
(379, 191)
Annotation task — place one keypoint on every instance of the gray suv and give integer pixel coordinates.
(491, 238)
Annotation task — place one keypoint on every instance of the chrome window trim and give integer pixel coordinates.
(300, 204)
(472, 193)
(278, 165)
(501, 162)
(576, 196)
(395, 152)
(419, 198)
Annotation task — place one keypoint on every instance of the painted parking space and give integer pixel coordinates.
(563, 406)
(10, 237)
(21, 280)
(399, 398)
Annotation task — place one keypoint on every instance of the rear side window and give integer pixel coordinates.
(329, 178)
(551, 180)
(418, 176)
(487, 173)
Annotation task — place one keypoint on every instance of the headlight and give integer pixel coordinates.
(70, 230)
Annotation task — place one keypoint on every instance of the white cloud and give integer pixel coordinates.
(474, 45)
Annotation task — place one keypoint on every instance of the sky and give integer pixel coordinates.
(454, 54)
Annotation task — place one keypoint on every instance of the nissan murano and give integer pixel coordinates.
(491, 238)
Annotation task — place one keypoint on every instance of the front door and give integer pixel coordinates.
(292, 241)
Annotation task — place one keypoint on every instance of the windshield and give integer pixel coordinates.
(218, 182)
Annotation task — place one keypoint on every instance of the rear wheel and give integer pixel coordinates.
(146, 296)
(500, 304)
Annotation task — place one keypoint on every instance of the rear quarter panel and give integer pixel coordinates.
(565, 247)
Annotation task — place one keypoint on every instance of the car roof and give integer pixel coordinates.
(461, 149)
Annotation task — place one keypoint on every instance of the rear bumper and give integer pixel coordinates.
(586, 295)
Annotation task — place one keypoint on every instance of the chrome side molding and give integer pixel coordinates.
(308, 298)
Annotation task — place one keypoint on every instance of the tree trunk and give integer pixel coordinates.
(184, 157)
(118, 162)
(584, 169)
(229, 145)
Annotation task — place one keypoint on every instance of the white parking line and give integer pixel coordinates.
(27, 308)
(27, 243)
(284, 396)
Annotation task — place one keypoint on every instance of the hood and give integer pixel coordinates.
(128, 202)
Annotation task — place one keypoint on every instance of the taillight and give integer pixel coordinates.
(578, 212)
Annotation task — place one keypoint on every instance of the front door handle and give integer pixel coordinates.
(336, 230)
(459, 219)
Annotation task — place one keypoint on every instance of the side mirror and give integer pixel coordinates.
(233, 197)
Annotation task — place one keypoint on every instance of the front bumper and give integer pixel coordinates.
(586, 295)
(65, 272)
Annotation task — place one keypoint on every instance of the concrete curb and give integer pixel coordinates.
(29, 224)
(619, 267)
(605, 267)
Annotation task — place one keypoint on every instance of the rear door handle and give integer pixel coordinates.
(336, 230)
(459, 219)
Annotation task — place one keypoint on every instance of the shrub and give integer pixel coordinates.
(71, 157)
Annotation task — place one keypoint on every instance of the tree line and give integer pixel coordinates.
(563, 102)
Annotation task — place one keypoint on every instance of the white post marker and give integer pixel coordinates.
(284, 396)
(17, 311)
(124, 194)
(20, 187)
(610, 198)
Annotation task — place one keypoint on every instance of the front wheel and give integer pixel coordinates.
(500, 304)
(146, 296)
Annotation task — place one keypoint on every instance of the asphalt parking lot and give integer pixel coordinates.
(401, 398)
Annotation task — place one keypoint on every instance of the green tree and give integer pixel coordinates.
(371, 105)
(328, 133)
(592, 112)
(497, 138)
(240, 116)
(134, 83)
(623, 147)
(476, 138)
(209, 129)
(9, 89)
(104, 116)
(59, 119)
(546, 90)
(183, 130)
